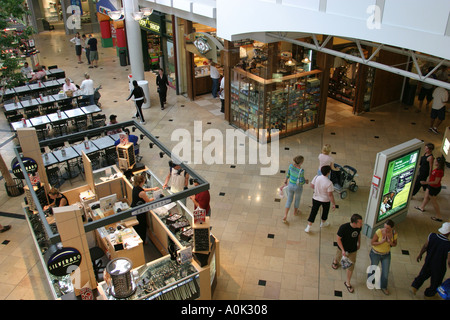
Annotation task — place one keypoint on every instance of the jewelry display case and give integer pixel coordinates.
(287, 103)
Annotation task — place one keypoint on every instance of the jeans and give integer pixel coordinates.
(215, 87)
(294, 190)
(91, 98)
(88, 53)
(385, 259)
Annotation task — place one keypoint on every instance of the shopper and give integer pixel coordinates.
(325, 159)
(77, 41)
(93, 53)
(161, 83)
(87, 88)
(295, 179)
(440, 98)
(40, 75)
(139, 196)
(322, 197)
(201, 200)
(113, 120)
(437, 248)
(426, 91)
(58, 199)
(69, 86)
(348, 240)
(383, 240)
(425, 168)
(26, 69)
(4, 228)
(85, 46)
(178, 179)
(433, 187)
(215, 76)
(222, 95)
(139, 97)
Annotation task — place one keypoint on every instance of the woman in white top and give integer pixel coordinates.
(325, 159)
(77, 41)
(87, 88)
(69, 86)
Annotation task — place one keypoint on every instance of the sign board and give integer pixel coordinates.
(64, 261)
(393, 180)
(30, 165)
(152, 205)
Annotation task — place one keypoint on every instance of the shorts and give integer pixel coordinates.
(428, 93)
(350, 255)
(78, 50)
(433, 191)
(93, 55)
(440, 113)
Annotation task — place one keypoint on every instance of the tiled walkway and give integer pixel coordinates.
(261, 258)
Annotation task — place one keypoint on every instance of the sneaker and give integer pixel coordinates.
(324, 224)
(413, 290)
(143, 122)
(91, 67)
(5, 228)
(307, 228)
(434, 130)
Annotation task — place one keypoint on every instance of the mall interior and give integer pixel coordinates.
(312, 97)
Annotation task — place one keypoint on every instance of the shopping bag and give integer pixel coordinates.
(444, 289)
(346, 262)
(282, 191)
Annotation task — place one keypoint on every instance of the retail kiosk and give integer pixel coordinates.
(101, 209)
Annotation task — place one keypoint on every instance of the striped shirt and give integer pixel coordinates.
(295, 174)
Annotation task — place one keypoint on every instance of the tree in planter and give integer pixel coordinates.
(12, 13)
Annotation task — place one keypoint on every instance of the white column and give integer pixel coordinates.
(134, 40)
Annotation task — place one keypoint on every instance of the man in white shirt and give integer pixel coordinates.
(215, 76)
(323, 196)
(26, 70)
(87, 88)
(440, 98)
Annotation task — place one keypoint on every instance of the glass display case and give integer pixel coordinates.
(287, 103)
(162, 279)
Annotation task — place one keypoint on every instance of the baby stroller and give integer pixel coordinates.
(343, 179)
(97, 96)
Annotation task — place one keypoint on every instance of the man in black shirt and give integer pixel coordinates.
(93, 54)
(348, 240)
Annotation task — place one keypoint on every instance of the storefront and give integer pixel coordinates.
(201, 47)
(274, 86)
(188, 264)
(158, 44)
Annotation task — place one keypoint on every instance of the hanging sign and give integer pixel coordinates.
(64, 261)
(30, 165)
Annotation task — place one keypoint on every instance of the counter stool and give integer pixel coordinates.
(97, 254)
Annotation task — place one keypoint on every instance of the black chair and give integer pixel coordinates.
(111, 156)
(10, 113)
(49, 108)
(98, 121)
(32, 114)
(52, 67)
(56, 146)
(97, 254)
(82, 102)
(15, 118)
(96, 159)
(41, 131)
(59, 128)
(81, 123)
(54, 176)
(66, 106)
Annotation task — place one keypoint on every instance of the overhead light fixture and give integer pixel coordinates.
(147, 11)
(290, 62)
(306, 60)
(137, 15)
(116, 15)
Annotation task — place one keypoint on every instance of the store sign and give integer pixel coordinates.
(202, 45)
(64, 261)
(150, 25)
(30, 165)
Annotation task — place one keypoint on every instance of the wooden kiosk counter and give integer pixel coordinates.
(190, 264)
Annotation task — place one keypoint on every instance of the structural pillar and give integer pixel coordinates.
(133, 31)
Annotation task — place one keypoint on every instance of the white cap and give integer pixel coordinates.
(445, 229)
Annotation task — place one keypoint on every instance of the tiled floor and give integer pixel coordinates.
(261, 258)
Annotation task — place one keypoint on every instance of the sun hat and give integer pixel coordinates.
(445, 229)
